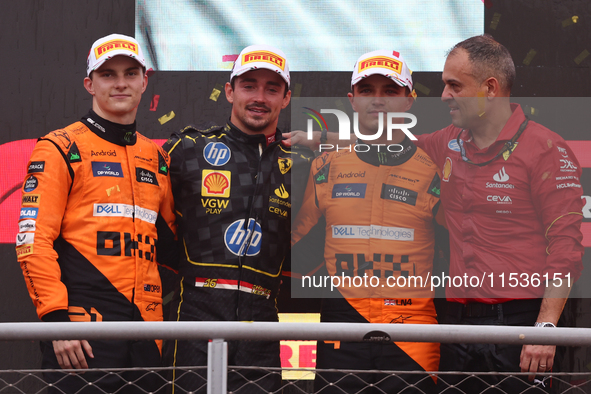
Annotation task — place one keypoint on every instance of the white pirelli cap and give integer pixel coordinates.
(110, 46)
(383, 62)
(261, 56)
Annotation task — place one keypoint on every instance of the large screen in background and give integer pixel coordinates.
(190, 35)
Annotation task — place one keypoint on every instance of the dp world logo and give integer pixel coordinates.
(345, 127)
(244, 240)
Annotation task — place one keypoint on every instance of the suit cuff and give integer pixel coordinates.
(56, 316)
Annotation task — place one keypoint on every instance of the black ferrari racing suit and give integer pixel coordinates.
(233, 197)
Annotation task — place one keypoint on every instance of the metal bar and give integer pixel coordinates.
(217, 367)
(295, 331)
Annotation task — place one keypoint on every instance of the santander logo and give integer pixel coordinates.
(501, 176)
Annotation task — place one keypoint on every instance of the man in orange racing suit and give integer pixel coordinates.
(379, 199)
(93, 196)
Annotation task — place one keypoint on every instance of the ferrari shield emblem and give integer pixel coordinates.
(284, 164)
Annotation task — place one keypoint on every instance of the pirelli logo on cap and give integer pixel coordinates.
(264, 56)
(382, 62)
(114, 44)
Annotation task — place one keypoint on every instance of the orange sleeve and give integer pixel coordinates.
(44, 199)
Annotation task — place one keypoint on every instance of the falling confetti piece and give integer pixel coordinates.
(297, 90)
(529, 57)
(581, 56)
(154, 103)
(150, 72)
(481, 103)
(570, 21)
(229, 58)
(422, 88)
(165, 118)
(166, 299)
(215, 93)
(495, 21)
(111, 189)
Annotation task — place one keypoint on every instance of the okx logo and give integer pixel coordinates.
(244, 239)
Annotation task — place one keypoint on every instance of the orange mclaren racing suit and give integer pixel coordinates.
(91, 200)
(379, 209)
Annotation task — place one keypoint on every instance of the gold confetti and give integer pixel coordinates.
(481, 104)
(546, 175)
(297, 90)
(166, 299)
(549, 142)
(215, 93)
(422, 88)
(495, 21)
(165, 118)
(109, 190)
(581, 56)
(533, 111)
(529, 57)
(570, 21)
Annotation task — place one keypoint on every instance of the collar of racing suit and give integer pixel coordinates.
(387, 155)
(254, 139)
(120, 134)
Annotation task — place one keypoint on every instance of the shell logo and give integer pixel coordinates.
(446, 170)
(216, 183)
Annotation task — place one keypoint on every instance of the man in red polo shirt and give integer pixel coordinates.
(511, 194)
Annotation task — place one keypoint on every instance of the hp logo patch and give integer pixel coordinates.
(240, 240)
(216, 153)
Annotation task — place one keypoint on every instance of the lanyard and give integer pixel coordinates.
(508, 146)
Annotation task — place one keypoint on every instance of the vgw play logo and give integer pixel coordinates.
(345, 129)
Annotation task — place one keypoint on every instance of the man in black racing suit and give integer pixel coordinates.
(233, 190)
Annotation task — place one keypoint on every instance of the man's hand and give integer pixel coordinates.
(536, 358)
(539, 358)
(299, 137)
(70, 354)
